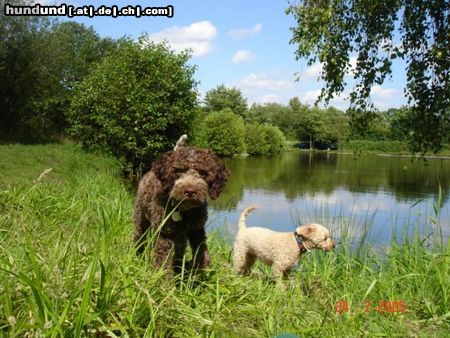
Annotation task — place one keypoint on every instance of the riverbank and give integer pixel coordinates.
(387, 147)
(68, 268)
(383, 148)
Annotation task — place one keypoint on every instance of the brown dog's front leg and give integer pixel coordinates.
(180, 243)
(141, 225)
(162, 252)
(197, 239)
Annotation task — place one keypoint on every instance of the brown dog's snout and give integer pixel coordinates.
(190, 192)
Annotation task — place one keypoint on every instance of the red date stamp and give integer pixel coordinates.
(383, 306)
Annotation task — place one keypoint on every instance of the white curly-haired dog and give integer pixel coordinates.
(280, 250)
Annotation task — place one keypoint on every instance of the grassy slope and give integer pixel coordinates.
(67, 268)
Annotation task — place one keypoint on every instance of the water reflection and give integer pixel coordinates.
(386, 190)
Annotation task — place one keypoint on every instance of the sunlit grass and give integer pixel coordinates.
(68, 268)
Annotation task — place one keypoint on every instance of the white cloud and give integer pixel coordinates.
(269, 98)
(379, 92)
(384, 98)
(339, 102)
(312, 71)
(315, 70)
(242, 56)
(263, 81)
(310, 97)
(198, 36)
(352, 67)
(244, 32)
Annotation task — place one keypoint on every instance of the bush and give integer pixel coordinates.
(274, 138)
(376, 146)
(224, 133)
(135, 104)
(264, 139)
(254, 140)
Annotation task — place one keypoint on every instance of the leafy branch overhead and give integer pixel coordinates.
(378, 32)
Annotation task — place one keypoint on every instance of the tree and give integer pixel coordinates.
(275, 114)
(311, 126)
(337, 124)
(368, 125)
(400, 123)
(332, 31)
(80, 48)
(224, 132)
(222, 98)
(136, 103)
(41, 60)
(26, 77)
(326, 126)
(77, 49)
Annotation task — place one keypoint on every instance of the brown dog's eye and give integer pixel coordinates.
(178, 170)
(203, 173)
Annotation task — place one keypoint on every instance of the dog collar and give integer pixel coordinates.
(300, 244)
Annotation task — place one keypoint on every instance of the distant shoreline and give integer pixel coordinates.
(444, 157)
(369, 152)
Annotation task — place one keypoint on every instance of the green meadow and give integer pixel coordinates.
(68, 269)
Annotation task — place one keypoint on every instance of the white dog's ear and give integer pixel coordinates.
(305, 230)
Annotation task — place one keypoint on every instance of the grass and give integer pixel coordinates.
(68, 269)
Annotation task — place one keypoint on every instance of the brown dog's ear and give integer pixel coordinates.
(221, 177)
(161, 169)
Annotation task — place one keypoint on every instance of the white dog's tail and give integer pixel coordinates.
(181, 142)
(244, 215)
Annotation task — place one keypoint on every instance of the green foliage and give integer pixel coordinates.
(255, 144)
(26, 77)
(369, 125)
(222, 98)
(263, 139)
(324, 126)
(41, 60)
(329, 32)
(301, 122)
(357, 146)
(136, 103)
(224, 132)
(274, 139)
(79, 49)
(275, 114)
(400, 123)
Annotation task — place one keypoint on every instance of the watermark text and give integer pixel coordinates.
(87, 10)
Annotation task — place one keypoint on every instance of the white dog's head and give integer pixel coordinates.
(315, 236)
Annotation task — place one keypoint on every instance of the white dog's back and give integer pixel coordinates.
(262, 242)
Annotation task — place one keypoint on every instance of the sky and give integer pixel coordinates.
(242, 44)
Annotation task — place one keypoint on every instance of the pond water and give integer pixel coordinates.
(387, 193)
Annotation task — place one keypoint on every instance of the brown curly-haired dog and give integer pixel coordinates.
(182, 178)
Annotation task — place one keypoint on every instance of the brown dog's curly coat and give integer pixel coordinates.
(183, 177)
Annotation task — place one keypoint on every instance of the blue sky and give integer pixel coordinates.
(243, 44)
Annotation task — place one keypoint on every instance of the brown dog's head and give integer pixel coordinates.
(191, 174)
(315, 236)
